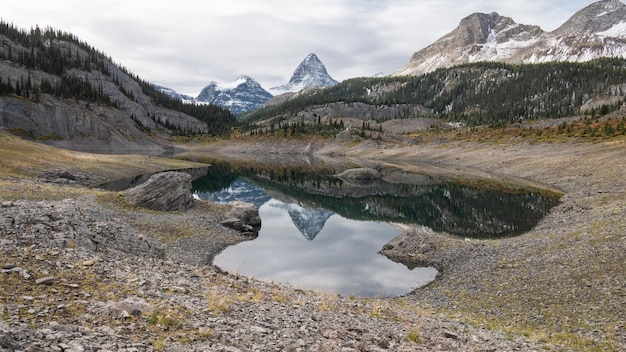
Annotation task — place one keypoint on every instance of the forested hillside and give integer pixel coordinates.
(481, 93)
(52, 62)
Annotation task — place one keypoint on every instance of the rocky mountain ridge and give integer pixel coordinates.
(598, 30)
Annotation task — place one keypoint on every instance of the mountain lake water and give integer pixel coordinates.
(321, 233)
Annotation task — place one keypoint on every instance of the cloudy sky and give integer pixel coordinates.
(186, 44)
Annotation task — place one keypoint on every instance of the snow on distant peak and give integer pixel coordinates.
(311, 72)
(243, 95)
(232, 85)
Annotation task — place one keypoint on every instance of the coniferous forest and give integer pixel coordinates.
(479, 93)
(56, 53)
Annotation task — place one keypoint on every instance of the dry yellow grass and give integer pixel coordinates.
(24, 158)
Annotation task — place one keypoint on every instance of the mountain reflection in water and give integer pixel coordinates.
(320, 232)
(443, 207)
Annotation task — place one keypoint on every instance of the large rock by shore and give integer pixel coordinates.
(360, 174)
(167, 191)
(243, 217)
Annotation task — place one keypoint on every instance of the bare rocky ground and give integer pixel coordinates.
(563, 282)
(78, 275)
(90, 273)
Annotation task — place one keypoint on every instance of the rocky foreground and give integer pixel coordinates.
(78, 275)
(95, 273)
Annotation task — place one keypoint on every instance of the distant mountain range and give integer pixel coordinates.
(598, 30)
(246, 94)
(58, 89)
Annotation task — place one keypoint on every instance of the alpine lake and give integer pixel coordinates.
(324, 233)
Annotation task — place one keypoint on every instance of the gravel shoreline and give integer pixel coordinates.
(62, 295)
(561, 283)
(565, 279)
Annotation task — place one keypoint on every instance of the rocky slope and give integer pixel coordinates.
(598, 30)
(58, 89)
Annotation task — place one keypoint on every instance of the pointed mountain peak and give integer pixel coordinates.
(311, 59)
(311, 72)
(311, 69)
(595, 18)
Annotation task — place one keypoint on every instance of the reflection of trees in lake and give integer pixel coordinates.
(453, 208)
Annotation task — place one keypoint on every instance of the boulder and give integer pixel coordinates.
(166, 191)
(243, 217)
(360, 174)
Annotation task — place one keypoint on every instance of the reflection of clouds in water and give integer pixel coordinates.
(343, 258)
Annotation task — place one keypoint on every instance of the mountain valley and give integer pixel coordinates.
(492, 106)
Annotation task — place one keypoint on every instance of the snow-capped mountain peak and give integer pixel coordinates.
(598, 30)
(243, 95)
(172, 93)
(311, 72)
(246, 94)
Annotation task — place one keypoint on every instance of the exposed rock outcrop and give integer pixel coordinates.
(243, 217)
(66, 177)
(167, 191)
(70, 223)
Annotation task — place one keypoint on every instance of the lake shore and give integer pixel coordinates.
(564, 280)
(562, 284)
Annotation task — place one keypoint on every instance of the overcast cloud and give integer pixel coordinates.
(185, 45)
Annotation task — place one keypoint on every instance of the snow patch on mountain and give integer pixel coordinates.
(618, 30)
(172, 93)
